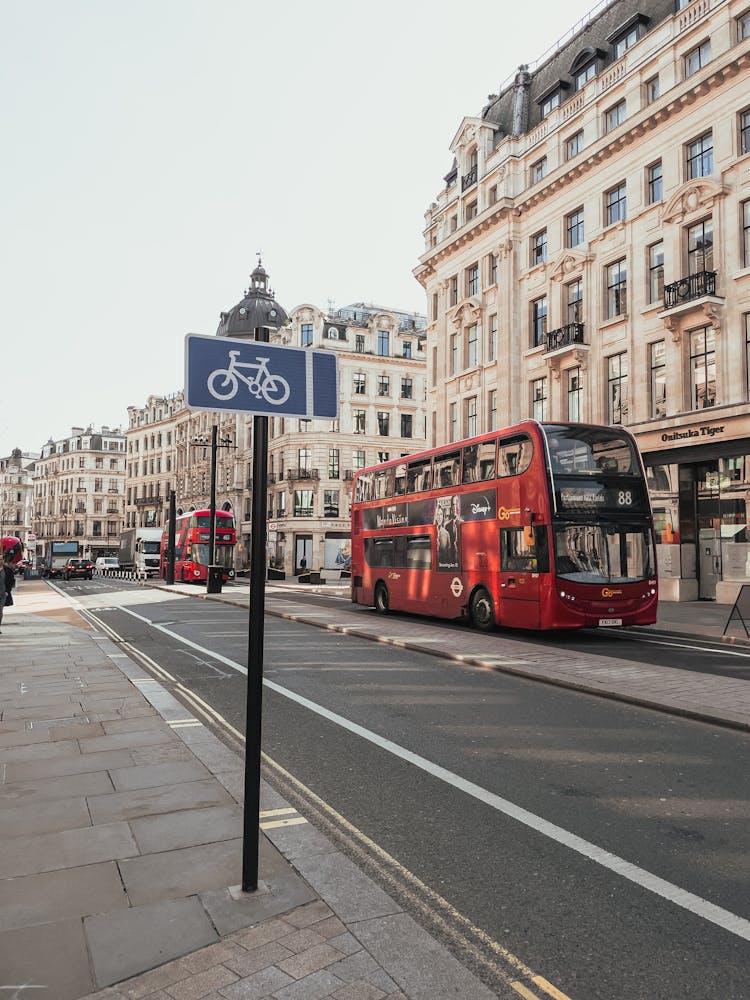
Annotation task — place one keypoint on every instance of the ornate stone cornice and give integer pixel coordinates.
(697, 195)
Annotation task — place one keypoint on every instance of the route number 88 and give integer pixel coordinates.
(624, 498)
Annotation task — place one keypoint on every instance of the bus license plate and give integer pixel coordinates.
(610, 621)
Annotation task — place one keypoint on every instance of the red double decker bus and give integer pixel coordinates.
(192, 531)
(538, 526)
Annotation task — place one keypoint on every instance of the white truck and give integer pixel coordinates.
(139, 550)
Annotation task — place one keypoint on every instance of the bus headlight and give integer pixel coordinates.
(196, 572)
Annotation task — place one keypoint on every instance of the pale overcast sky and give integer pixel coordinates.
(151, 148)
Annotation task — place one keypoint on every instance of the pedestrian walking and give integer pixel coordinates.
(12, 551)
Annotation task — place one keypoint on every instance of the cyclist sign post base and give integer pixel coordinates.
(253, 377)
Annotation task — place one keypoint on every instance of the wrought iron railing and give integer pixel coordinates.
(571, 333)
(468, 179)
(692, 286)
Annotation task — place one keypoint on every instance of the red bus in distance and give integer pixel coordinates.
(538, 526)
(192, 531)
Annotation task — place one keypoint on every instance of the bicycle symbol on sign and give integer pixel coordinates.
(224, 382)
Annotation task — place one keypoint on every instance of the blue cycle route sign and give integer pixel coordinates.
(249, 376)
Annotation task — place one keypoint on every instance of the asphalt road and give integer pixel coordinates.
(445, 757)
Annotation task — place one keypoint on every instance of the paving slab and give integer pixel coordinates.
(66, 764)
(39, 899)
(187, 828)
(149, 801)
(43, 817)
(39, 789)
(47, 852)
(130, 778)
(51, 959)
(124, 943)
(173, 874)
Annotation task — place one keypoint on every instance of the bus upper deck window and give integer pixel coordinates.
(419, 475)
(399, 485)
(513, 455)
(447, 469)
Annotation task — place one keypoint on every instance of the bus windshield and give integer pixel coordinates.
(576, 450)
(603, 553)
(223, 521)
(222, 553)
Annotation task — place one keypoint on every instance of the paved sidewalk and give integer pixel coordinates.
(120, 850)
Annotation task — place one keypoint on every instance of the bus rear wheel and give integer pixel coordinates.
(482, 611)
(381, 599)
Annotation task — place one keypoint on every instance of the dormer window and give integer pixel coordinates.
(552, 97)
(585, 66)
(627, 34)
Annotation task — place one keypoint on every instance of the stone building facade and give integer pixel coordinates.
(79, 491)
(588, 258)
(16, 498)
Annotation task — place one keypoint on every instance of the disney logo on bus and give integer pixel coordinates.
(480, 506)
(607, 592)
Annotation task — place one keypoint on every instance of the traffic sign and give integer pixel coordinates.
(251, 376)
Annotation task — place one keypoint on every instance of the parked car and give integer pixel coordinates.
(20, 567)
(78, 567)
(107, 564)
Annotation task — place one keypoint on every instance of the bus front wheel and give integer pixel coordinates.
(482, 611)
(381, 599)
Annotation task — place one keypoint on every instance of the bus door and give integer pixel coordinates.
(523, 552)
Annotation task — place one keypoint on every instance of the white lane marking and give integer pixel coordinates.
(696, 649)
(710, 912)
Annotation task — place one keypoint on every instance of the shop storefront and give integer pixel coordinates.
(698, 473)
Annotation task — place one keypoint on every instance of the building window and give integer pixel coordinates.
(539, 248)
(743, 26)
(384, 421)
(434, 315)
(330, 503)
(539, 321)
(697, 58)
(614, 116)
(747, 354)
(539, 399)
(303, 459)
(746, 234)
(359, 421)
(384, 343)
(454, 290)
(655, 178)
(359, 343)
(745, 132)
(303, 503)
(656, 272)
(539, 170)
(306, 334)
(358, 458)
(617, 385)
(492, 268)
(333, 463)
(621, 43)
(492, 410)
(700, 247)
(493, 194)
(360, 384)
(575, 394)
(453, 421)
(700, 156)
(550, 102)
(454, 353)
(574, 228)
(453, 223)
(658, 366)
(574, 145)
(574, 301)
(617, 289)
(384, 385)
(653, 90)
(406, 425)
(703, 367)
(472, 279)
(583, 75)
(471, 416)
(407, 388)
(472, 346)
(615, 203)
(471, 211)
(492, 338)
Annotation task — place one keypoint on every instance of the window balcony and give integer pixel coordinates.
(80, 510)
(468, 179)
(689, 288)
(272, 477)
(565, 336)
(155, 501)
(293, 475)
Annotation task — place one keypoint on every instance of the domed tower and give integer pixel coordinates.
(257, 309)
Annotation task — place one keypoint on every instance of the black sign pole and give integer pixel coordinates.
(212, 504)
(251, 826)
(170, 537)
